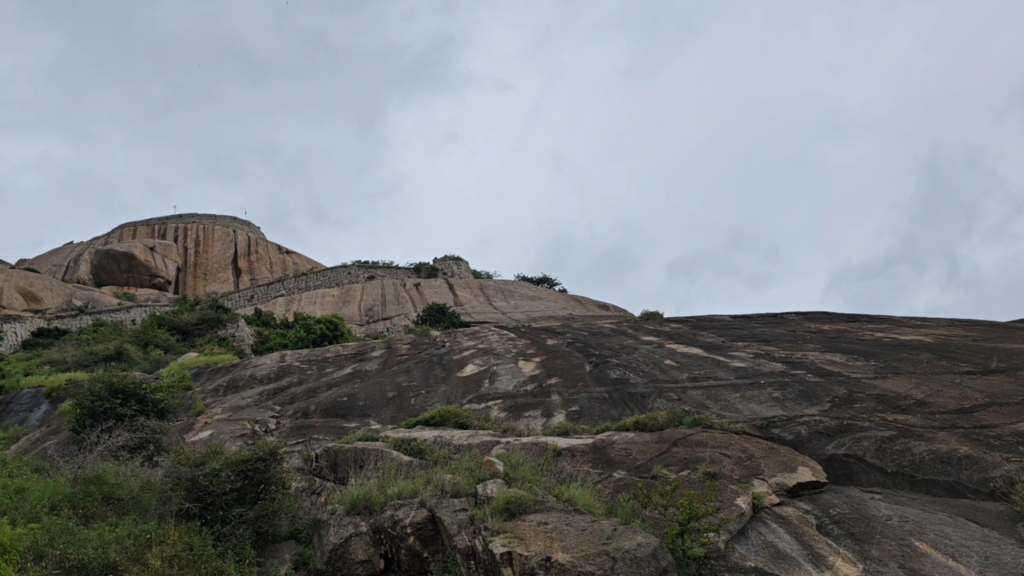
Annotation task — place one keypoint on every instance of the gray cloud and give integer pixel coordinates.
(696, 157)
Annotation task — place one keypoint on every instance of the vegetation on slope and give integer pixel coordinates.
(544, 281)
(53, 357)
(303, 331)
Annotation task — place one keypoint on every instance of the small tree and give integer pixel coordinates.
(440, 316)
(544, 281)
(651, 314)
(485, 274)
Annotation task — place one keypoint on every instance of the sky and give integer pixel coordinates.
(715, 157)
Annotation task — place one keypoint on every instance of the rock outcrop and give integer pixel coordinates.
(4, 265)
(22, 291)
(215, 254)
(387, 305)
(146, 263)
(916, 422)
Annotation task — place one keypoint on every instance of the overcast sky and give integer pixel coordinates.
(695, 157)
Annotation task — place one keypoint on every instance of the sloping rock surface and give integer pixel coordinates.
(920, 422)
(141, 264)
(23, 291)
(384, 305)
(216, 254)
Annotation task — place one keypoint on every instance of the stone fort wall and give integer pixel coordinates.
(16, 328)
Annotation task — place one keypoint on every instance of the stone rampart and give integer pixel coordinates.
(16, 328)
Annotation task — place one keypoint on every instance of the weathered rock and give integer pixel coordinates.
(346, 546)
(490, 489)
(342, 463)
(574, 544)
(142, 295)
(217, 254)
(388, 305)
(411, 537)
(4, 265)
(27, 408)
(847, 530)
(911, 406)
(493, 465)
(22, 291)
(142, 263)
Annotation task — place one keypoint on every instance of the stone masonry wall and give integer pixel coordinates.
(16, 328)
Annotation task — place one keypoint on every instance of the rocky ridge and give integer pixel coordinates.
(916, 423)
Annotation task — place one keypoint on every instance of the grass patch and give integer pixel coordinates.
(9, 435)
(359, 436)
(462, 419)
(53, 383)
(655, 421)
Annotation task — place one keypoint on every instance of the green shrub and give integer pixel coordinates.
(192, 319)
(301, 332)
(100, 520)
(418, 330)
(9, 435)
(118, 399)
(425, 270)
(544, 281)
(506, 505)
(449, 417)
(359, 436)
(440, 316)
(419, 449)
(43, 338)
(238, 495)
(566, 428)
(125, 296)
(485, 274)
(651, 315)
(689, 530)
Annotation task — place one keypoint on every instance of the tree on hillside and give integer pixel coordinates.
(544, 281)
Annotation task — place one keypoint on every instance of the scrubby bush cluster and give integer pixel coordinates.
(544, 281)
(302, 331)
(203, 516)
(486, 274)
(54, 357)
(651, 314)
(440, 316)
(425, 270)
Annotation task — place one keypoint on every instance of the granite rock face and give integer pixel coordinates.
(22, 291)
(215, 254)
(917, 423)
(151, 264)
(387, 305)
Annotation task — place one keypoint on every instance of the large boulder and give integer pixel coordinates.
(23, 291)
(216, 254)
(346, 546)
(143, 263)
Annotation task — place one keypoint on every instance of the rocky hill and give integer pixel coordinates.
(551, 435)
(185, 254)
